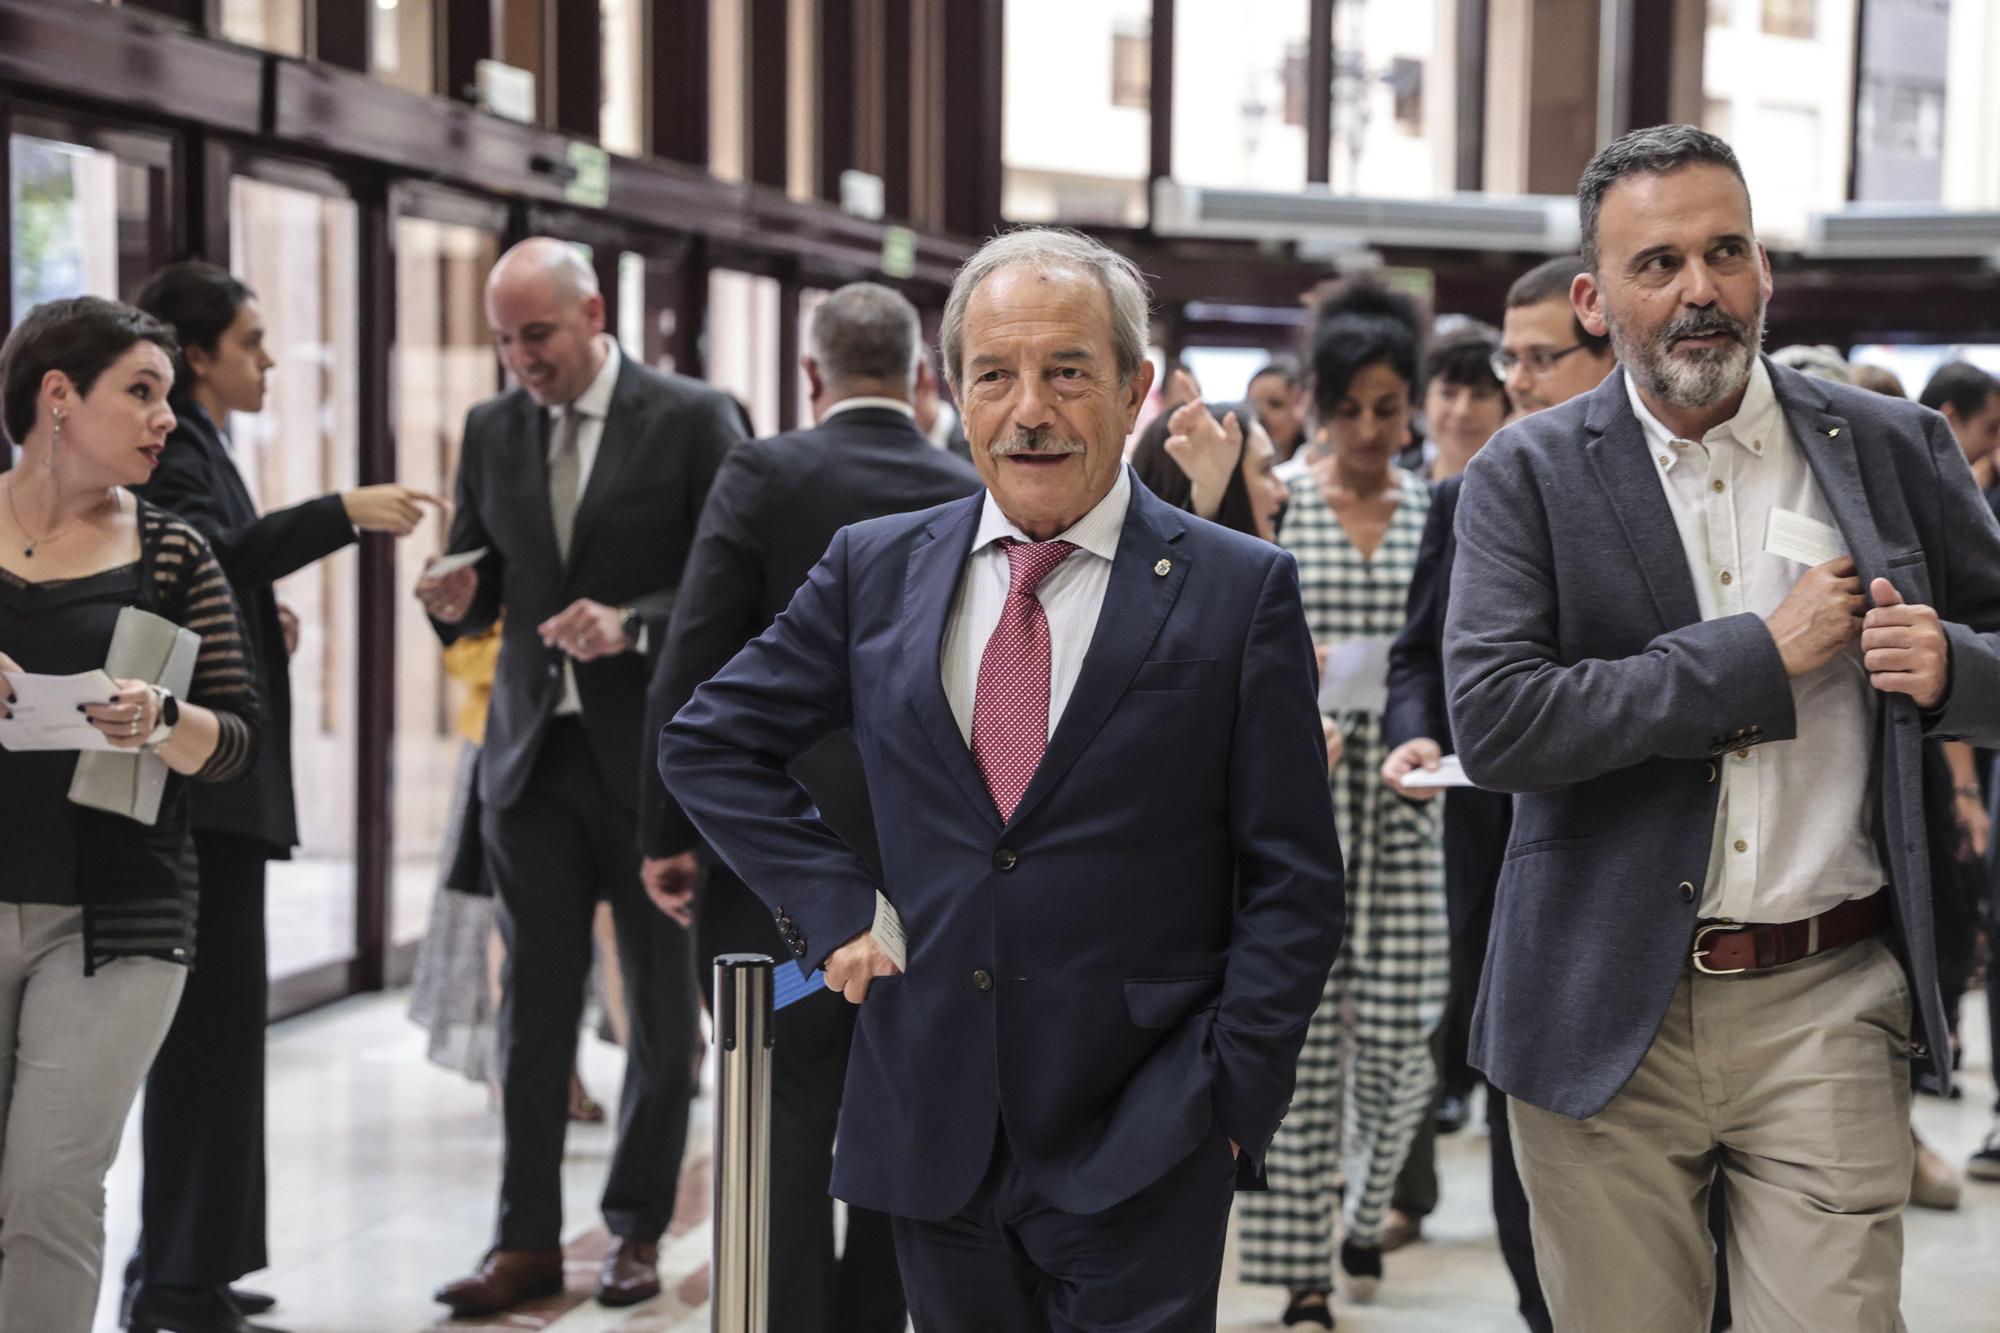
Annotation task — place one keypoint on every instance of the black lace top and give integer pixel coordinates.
(136, 883)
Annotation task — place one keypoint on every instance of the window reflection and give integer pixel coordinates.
(1388, 139)
(740, 347)
(444, 365)
(1240, 94)
(275, 25)
(400, 44)
(1074, 122)
(1764, 78)
(297, 250)
(621, 128)
(84, 221)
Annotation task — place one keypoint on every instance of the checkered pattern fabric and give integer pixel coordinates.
(1366, 1075)
(1010, 715)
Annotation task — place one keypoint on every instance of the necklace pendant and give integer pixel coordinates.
(29, 552)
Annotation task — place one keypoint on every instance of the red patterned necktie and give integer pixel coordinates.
(1010, 713)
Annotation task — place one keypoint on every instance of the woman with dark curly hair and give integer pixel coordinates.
(97, 910)
(1365, 1078)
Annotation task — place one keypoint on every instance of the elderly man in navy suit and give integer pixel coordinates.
(1701, 621)
(1089, 731)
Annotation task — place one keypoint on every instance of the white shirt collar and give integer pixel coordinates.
(1096, 532)
(863, 401)
(595, 401)
(1755, 425)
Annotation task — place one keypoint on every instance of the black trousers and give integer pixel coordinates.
(1011, 1262)
(568, 842)
(201, 1200)
(813, 1288)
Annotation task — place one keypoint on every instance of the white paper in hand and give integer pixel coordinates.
(44, 711)
(888, 930)
(451, 564)
(1448, 773)
(1357, 676)
(1792, 536)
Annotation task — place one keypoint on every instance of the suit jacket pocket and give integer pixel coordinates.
(1162, 1002)
(1186, 674)
(1544, 845)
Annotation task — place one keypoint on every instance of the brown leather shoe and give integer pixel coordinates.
(631, 1272)
(503, 1280)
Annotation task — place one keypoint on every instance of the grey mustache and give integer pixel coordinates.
(1696, 326)
(1034, 442)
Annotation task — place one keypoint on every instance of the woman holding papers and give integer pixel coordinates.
(96, 910)
(1366, 1075)
(202, 1200)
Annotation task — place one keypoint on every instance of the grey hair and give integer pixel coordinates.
(1818, 361)
(866, 331)
(1655, 151)
(1050, 249)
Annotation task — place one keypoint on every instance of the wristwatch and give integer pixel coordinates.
(170, 717)
(630, 622)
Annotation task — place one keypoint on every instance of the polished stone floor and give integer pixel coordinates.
(383, 1167)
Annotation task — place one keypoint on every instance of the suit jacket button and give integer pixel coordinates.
(983, 979)
(555, 669)
(798, 948)
(1005, 859)
(1687, 892)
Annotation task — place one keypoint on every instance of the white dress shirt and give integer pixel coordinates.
(1071, 597)
(1794, 828)
(865, 400)
(591, 406)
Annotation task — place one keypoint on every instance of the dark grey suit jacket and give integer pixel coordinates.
(663, 440)
(1581, 676)
(775, 506)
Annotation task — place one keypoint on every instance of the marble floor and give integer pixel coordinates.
(383, 1168)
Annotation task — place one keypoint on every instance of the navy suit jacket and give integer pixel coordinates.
(1582, 676)
(1131, 958)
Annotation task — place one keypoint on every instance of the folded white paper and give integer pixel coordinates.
(888, 931)
(1448, 773)
(451, 564)
(44, 711)
(1356, 678)
(1792, 536)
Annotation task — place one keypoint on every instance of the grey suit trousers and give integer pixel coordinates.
(73, 1051)
(1796, 1083)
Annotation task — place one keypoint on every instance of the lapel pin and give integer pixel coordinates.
(1162, 568)
(1833, 432)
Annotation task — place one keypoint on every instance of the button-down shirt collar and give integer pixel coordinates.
(1757, 417)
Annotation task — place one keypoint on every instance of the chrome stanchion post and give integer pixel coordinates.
(742, 1143)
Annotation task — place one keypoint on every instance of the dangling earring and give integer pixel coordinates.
(55, 442)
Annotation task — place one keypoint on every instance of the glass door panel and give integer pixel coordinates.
(444, 364)
(87, 219)
(740, 347)
(298, 250)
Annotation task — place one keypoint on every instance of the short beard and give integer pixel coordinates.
(1702, 377)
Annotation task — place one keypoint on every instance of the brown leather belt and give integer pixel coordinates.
(1725, 948)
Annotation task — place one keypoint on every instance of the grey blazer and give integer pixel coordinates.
(1580, 675)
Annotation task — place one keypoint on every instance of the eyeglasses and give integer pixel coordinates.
(1540, 361)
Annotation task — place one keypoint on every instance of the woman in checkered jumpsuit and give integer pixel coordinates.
(1366, 1076)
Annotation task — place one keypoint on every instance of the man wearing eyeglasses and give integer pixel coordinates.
(1546, 356)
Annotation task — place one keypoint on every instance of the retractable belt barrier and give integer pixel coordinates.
(741, 1264)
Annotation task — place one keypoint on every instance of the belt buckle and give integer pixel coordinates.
(1700, 954)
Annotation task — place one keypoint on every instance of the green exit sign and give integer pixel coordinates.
(899, 252)
(590, 181)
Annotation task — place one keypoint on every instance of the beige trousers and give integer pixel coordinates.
(73, 1051)
(1796, 1082)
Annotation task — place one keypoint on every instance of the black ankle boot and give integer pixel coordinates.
(157, 1309)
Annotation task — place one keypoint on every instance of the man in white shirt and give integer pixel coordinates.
(579, 489)
(1701, 620)
(1089, 733)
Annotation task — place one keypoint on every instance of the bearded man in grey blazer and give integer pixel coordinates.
(1701, 621)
